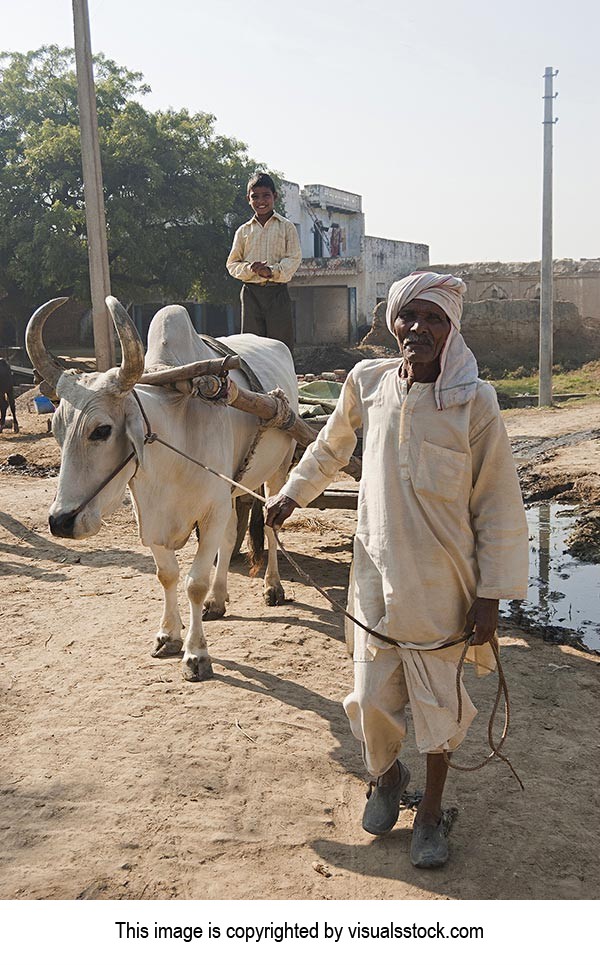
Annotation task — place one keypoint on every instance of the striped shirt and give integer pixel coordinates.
(276, 243)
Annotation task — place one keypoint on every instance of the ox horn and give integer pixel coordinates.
(132, 349)
(42, 360)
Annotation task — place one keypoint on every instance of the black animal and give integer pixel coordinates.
(7, 396)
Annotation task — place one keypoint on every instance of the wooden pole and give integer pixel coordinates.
(194, 370)
(546, 286)
(93, 189)
(264, 406)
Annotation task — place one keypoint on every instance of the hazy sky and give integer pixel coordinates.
(432, 112)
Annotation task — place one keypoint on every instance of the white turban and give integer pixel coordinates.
(458, 379)
(445, 290)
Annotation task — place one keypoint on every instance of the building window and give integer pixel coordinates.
(318, 243)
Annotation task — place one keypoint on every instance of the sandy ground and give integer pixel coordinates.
(118, 780)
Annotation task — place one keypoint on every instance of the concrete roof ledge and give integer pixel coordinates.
(311, 267)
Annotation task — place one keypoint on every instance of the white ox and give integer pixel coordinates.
(98, 422)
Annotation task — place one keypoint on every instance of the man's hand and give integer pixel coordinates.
(482, 621)
(279, 508)
(261, 268)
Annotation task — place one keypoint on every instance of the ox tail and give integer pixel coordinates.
(256, 537)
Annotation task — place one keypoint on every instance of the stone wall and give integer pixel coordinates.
(574, 281)
(504, 333)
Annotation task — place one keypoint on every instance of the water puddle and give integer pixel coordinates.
(563, 602)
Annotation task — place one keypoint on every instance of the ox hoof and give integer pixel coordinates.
(197, 668)
(165, 646)
(213, 610)
(274, 595)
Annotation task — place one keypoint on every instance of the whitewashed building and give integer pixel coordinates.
(344, 273)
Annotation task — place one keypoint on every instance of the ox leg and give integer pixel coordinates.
(273, 591)
(196, 661)
(168, 638)
(11, 402)
(215, 603)
(3, 407)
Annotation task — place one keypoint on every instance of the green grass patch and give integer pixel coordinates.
(583, 380)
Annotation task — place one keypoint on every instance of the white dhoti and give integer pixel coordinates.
(383, 687)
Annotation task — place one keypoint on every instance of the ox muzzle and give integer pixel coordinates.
(63, 525)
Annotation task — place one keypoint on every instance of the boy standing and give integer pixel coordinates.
(264, 255)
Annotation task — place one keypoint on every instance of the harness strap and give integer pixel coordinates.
(99, 488)
(255, 385)
(149, 437)
(221, 349)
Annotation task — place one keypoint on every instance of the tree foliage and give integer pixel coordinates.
(174, 188)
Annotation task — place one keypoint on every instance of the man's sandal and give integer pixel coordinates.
(383, 804)
(429, 845)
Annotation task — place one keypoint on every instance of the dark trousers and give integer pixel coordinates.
(267, 311)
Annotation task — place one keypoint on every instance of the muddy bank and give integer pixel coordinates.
(563, 487)
(557, 452)
(584, 542)
(326, 358)
(563, 599)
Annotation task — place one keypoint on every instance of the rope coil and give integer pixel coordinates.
(284, 417)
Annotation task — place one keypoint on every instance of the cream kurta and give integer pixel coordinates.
(440, 514)
(275, 242)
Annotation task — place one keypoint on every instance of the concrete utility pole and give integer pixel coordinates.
(93, 190)
(546, 295)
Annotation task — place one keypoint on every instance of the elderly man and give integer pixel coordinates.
(441, 538)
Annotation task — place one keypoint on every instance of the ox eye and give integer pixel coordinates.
(100, 433)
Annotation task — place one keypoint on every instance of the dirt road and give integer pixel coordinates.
(120, 781)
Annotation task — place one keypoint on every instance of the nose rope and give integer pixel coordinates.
(502, 690)
(149, 437)
(115, 472)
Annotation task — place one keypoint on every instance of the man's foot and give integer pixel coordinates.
(429, 845)
(382, 808)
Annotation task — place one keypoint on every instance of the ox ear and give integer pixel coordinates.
(134, 427)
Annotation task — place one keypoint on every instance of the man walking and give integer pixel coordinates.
(441, 538)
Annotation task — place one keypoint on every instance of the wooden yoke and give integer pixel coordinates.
(265, 407)
(169, 376)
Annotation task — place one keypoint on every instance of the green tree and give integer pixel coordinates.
(174, 189)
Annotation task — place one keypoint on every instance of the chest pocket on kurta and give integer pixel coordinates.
(440, 471)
